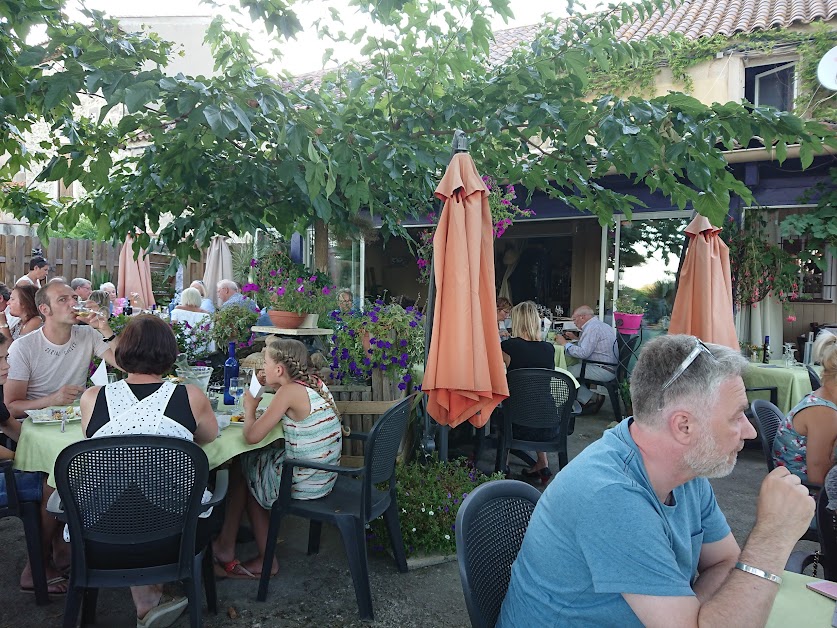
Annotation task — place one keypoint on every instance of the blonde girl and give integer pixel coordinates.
(312, 429)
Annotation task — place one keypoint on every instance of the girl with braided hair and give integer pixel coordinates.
(312, 428)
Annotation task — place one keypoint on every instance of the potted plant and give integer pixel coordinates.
(289, 291)
(628, 315)
(232, 324)
(388, 338)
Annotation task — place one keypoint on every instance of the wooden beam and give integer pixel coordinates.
(364, 407)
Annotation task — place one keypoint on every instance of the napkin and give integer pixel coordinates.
(100, 377)
(256, 389)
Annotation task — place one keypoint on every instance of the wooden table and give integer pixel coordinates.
(796, 605)
(792, 382)
(40, 444)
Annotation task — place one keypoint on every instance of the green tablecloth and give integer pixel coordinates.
(40, 444)
(797, 606)
(792, 382)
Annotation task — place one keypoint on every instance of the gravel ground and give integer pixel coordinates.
(317, 590)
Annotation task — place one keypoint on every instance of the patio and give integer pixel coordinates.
(317, 590)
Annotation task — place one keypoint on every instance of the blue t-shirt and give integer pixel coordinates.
(599, 531)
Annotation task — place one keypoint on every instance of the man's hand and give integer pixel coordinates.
(65, 395)
(784, 508)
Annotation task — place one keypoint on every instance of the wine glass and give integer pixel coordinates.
(237, 390)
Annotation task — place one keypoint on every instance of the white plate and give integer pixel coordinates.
(45, 415)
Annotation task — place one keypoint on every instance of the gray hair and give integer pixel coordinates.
(100, 298)
(107, 286)
(228, 283)
(697, 386)
(191, 296)
(78, 282)
(825, 352)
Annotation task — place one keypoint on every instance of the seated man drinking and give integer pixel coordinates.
(630, 534)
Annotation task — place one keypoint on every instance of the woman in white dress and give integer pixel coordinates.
(190, 313)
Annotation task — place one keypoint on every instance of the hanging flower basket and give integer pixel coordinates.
(285, 320)
(628, 324)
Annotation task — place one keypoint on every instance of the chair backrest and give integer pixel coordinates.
(128, 489)
(490, 527)
(539, 397)
(816, 382)
(11, 507)
(768, 417)
(827, 532)
(384, 440)
(627, 347)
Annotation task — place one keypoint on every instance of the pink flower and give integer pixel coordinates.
(326, 291)
(505, 201)
(313, 278)
(250, 287)
(273, 273)
(300, 289)
(791, 318)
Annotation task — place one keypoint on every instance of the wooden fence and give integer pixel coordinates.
(78, 258)
(382, 389)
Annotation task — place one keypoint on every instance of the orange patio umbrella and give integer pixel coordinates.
(703, 304)
(134, 274)
(464, 378)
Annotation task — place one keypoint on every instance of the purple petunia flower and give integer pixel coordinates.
(326, 291)
(254, 263)
(299, 280)
(280, 291)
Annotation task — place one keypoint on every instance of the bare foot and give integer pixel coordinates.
(254, 565)
(52, 574)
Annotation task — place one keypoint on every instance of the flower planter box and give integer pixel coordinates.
(428, 560)
(628, 324)
(286, 320)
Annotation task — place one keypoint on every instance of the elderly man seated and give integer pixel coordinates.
(229, 294)
(630, 534)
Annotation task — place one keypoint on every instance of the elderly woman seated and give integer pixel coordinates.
(190, 313)
(805, 441)
(144, 404)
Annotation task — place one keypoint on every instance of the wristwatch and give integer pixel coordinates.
(109, 339)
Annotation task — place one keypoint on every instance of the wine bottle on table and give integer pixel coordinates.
(765, 351)
(230, 371)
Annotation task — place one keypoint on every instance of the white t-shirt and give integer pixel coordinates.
(47, 366)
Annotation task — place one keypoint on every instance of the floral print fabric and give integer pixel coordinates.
(789, 446)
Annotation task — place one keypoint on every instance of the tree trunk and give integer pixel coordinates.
(320, 245)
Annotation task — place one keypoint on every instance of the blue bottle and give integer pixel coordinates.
(230, 371)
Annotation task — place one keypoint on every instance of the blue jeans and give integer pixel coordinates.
(29, 487)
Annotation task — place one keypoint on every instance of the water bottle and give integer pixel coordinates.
(230, 371)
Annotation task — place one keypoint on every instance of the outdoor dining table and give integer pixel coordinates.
(792, 382)
(40, 444)
(795, 605)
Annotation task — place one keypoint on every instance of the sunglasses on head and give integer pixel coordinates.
(693, 355)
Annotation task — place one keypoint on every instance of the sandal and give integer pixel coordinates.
(165, 613)
(233, 569)
(54, 586)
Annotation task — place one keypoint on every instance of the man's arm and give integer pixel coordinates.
(14, 394)
(742, 600)
(716, 561)
(585, 346)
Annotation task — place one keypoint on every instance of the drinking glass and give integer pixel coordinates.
(112, 378)
(237, 390)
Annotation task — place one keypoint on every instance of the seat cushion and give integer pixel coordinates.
(29, 487)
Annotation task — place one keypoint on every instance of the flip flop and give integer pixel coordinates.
(165, 613)
(233, 570)
(52, 582)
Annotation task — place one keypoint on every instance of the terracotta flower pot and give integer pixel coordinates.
(285, 320)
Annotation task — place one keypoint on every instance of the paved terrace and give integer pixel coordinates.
(317, 590)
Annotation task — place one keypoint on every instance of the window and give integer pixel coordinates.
(771, 85)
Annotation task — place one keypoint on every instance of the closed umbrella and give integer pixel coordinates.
(134, 274)
(464, 377)
(218, 265)
(703, 304)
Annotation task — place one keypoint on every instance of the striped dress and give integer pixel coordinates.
(317, 437)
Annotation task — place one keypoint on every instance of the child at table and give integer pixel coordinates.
(312, 429)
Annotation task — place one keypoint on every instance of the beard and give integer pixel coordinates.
(707, 460)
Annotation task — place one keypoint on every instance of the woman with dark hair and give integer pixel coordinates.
(144, 404)
(22, 307)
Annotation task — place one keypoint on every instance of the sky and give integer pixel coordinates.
(304, 54)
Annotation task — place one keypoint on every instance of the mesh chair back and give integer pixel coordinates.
(490, 526)
(539, 397)
(131, 489)
(385, 439)
(768, 417)
(827, 532)
(816, 382)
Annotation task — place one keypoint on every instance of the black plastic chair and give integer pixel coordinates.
(538, 398)
(353, 502)
(490, 527)
(768, 418)
(816, 382)
(120, 491)
(626, 346)
(30, 514)
(827, 534)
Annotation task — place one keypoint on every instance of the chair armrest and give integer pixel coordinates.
(322, 466)
(357, 435)
(222, 481)
(56, 508)
(774, 392)
(798, 561)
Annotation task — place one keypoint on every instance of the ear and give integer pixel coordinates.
(683, 426)
(44, 309)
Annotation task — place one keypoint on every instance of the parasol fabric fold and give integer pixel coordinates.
(218, 265)
(464, 377)
(703, 304)
(134, 274)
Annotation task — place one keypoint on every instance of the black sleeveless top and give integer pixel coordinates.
(178, 408)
